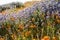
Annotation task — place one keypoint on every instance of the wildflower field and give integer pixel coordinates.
(41, 24)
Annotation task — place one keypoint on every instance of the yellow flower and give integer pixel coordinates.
(32, 26)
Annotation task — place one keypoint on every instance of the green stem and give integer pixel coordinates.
(42, 33)
(37, 37)
(59, 36)
(53, 31)
(47, 30)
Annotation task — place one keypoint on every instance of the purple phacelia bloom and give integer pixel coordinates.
(59, 14)
(58, 6)
(1, 17)
(47, 17)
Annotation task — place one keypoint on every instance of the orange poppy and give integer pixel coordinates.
(22, 34)
(27, 33)
(54, 38)
(3, 12)
(57, 17)
(2, 26)
(49, 23)
(58, 21)
(33, 39)
(13, 36)
(32, 26)
(1, 38)
(42, 39)
(33, 19)
(21, 27)
(46, 38)
(8, 26)
(12, 18)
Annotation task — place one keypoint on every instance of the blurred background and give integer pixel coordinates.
(2, 2)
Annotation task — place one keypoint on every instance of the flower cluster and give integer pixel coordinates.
(43, 23)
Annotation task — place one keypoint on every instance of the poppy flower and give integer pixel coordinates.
(1, 38)
(12, 18)
(46, 38)
(8, 27)
(33, 19)
(2, 26)
(57, 17)
(13, 36)
(33, 39)
(42, 39)
(58, 21)
(54, 38)
(27, 33)
(32, 26)
(21, 27)
(49, 23)
(22, 34)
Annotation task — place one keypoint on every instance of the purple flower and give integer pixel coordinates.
(58, 6)
(47, 17)
(1, 17)
(59, 14)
